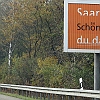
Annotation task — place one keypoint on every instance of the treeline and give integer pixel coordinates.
(31, 33)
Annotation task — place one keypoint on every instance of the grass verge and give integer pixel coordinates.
(18, 96)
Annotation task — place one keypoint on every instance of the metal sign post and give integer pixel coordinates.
(96, 72)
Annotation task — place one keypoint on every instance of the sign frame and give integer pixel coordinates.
(66, 49)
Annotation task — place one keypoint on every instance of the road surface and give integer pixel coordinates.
(4, 97)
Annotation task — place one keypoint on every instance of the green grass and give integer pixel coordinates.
(18, 96)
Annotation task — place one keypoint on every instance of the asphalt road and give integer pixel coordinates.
(3, 97)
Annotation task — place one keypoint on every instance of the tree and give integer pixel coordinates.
(35, 31)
